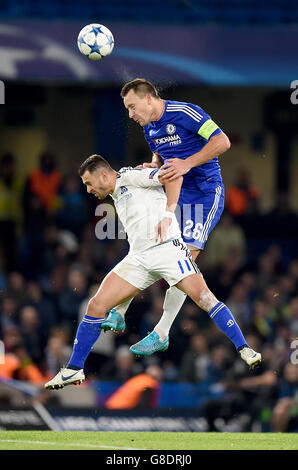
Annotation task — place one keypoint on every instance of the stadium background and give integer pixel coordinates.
(235, 59)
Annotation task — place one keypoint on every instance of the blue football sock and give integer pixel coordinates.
(87, 334)
(225, 321)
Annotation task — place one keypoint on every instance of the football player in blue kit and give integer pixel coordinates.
(184, 141)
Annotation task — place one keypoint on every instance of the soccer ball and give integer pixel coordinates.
(95, 41)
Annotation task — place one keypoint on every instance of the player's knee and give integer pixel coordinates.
(95, 307)
(207, 300)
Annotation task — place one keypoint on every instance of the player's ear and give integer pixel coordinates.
(105, 175)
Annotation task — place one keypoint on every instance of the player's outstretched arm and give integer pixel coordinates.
(172, 189)
(175, 167)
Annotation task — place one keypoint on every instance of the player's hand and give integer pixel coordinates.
(173, 168)
(162, 229)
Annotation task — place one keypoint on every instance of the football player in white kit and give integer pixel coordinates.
(157, 251)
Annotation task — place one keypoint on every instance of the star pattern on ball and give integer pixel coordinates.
(110, 41)
(95, 41)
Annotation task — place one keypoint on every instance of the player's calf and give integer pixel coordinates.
(197, 289)
(87, 334)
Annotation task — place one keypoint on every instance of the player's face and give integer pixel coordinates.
(97, 183)
(139, 109)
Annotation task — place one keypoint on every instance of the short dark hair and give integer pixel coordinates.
(93, 163)
(141, 86)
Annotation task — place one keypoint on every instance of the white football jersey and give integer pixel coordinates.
(140, 202)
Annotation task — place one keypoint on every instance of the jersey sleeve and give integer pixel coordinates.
(196, 120)
(142, 177)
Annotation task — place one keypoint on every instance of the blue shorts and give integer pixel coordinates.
(198, 212)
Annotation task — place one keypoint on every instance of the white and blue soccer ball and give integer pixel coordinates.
(95, 41)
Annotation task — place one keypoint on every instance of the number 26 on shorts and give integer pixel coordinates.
(191, 232)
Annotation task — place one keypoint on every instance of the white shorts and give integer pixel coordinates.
(170, 260)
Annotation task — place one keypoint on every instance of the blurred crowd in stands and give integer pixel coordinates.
(52, 263)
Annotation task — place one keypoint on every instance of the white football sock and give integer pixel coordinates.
(122, 308)
(173, 302)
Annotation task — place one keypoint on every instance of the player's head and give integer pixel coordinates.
(142, 101)
(98, 176)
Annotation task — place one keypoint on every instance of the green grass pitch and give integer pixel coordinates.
(51, 440)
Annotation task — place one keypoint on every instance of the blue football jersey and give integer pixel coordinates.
(182, 130)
